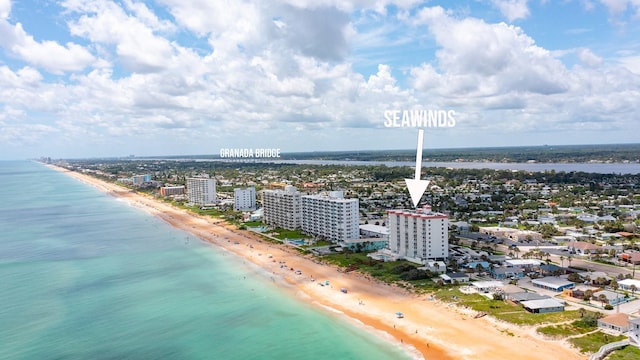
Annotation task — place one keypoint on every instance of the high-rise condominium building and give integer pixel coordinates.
(140, 179)
(419, 235)
(244, 199)
(331, 216)
(282, 208)
(202, 191)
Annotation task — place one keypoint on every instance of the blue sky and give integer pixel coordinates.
(101, 78)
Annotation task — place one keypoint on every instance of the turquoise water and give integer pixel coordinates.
(86, 276)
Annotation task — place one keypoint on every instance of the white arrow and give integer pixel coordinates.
(416, 186)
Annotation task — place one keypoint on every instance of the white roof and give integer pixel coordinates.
(487, 284)
(629, 282)
(375, 228)
(516, 262)
(552, 282)
(542, 303)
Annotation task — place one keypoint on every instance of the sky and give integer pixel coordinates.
(98, 78)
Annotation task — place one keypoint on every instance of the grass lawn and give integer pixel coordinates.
(288, 234)
(344, 260)
(564, 330)
(378, 269)
(590, 343)
(626, 353)
(527, 318)
(503, 310)
(322, 243)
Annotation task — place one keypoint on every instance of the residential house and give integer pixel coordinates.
(552, 283)
(579, 291)
(487, 286)
(632, 257)
(455, 277)
(616, 323)
(473, 265)
(550, 269)
(542, 306)
(438, 267)
(526, 264)
(582, 248)
(502, 273)
(627, 284)
(525, 296)
(608, 297)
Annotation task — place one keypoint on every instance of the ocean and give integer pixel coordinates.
(84, 275)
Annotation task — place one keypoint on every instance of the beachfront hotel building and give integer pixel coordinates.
(244, 199)
(330, 216)
(171, 190)
(202, 191)
(282, 208)
(419, 235)
(140, 179)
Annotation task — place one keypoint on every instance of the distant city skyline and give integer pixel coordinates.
(98, 78)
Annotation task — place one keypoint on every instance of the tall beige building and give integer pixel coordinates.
(202, 191)
(282, 208)
(419, 235)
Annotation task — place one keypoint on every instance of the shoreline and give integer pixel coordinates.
(432, 329)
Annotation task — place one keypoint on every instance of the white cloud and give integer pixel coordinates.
(512, 9)
(631, 63)
(619, 6)
(510, 84)
(5, 9)
(137, 47)
(47, 54)
(322, 67)
(588, 58)
(481, 59)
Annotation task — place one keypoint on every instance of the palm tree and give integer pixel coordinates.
(633, 289)
(582, 311)
(614, 284)
(588, 294)
(562, 260)
(569, 258)
(602, 298)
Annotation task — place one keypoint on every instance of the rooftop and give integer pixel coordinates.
(542, 303)
(551, 281)
(618, 319)
(527, 296)
(487, 284)
(375, 228)
(629, 282)
(423, 213)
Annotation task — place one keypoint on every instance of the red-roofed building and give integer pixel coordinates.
(582, 247)
(617, 323)
(630, 257)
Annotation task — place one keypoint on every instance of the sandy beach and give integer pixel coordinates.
(430, 329)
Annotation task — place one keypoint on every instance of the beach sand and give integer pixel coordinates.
(429, 329)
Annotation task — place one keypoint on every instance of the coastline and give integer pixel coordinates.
(433, 329)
